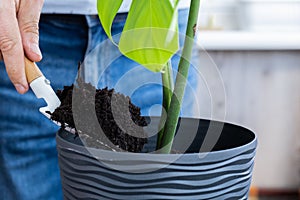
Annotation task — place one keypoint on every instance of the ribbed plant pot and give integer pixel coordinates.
(223, 173)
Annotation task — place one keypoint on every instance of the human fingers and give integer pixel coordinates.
(28, 18)
(11, 45)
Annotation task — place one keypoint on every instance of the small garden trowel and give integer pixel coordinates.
(41, 87)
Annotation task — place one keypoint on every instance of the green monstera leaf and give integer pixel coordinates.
(150, 34)
(107, 10)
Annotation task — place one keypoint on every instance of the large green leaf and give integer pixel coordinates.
(107, 10)
(150, 35)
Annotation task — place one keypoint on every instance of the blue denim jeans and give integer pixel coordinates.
(28, 158)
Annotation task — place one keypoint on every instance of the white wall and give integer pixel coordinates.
(262, 93)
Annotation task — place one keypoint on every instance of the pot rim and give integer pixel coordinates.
(211, 156)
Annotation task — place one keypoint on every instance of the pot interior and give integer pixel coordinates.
(201, 135)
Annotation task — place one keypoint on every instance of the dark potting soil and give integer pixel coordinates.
(104, 119)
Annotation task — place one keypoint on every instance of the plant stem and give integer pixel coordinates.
(168, 87)
(181, 78)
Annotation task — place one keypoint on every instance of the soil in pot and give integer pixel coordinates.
(120, 120)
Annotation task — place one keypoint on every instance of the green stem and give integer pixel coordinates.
(183, 68)
(168, 87)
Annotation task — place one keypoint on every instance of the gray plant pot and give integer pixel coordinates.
(223, 173)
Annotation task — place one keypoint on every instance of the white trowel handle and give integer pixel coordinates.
(32, 70)
(41, 86)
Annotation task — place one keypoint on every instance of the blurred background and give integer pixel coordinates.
(255, 45)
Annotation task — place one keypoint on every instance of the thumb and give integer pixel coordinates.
(28, 18)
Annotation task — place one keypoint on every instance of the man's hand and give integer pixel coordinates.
(18, 33)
